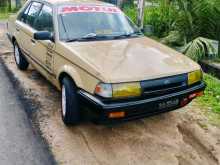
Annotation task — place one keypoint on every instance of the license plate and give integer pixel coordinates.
(168, 104)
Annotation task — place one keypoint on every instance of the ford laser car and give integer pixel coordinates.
(98, 58)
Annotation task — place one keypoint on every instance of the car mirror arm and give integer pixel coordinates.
(52, 39)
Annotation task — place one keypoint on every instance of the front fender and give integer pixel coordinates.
(72, 72)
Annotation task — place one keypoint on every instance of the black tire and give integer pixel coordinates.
(20, 60)
(70, 111)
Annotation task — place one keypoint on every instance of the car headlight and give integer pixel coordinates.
(126, 90)
(120, 90)
(194, 77)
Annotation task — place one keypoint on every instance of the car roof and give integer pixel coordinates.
(91, 2)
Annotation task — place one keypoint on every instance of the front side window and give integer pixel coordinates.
(79, 21)
(44, 22)
(33, 13)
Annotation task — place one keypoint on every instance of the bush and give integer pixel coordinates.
(161, 17)
(130, 11)
(211, 97)
(3, 12)
(198, 18)
(174, 38)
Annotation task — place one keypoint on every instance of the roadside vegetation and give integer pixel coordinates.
(212, 93)
(182, 23)
(6, 8)
(188, 26)
(211, 99)
(4, 13)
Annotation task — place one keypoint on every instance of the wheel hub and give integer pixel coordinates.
(17, 54)
(63, 100)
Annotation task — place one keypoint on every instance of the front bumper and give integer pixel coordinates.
(138, 108)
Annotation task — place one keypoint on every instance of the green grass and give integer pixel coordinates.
(4, 12)
(4, 16)
(211, 97)
(210, 101)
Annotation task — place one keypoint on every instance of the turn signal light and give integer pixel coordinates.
(194, 77)
(116, 114)
(196, 94)
(200, 93)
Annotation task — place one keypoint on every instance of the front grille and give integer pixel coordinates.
(156, 87)
(163, 86)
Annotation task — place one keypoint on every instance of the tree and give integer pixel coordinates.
(9, 5)
(3, 3)
(198, 18)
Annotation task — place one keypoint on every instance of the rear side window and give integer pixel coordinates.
(44, 22)
(33, 13)
(22, 16)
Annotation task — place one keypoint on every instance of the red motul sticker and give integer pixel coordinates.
(87, 8)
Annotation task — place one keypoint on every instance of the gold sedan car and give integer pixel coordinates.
(98, 58)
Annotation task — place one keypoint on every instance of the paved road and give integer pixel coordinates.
(19, 143)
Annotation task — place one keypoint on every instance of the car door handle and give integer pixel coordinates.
(33, 41)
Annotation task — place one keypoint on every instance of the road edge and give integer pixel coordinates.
(30, 108)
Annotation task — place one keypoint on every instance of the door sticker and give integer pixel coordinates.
(49, 56)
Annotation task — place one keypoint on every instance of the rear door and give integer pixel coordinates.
(24, 25)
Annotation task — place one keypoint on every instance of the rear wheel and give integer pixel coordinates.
(20, 60)
(70, 110)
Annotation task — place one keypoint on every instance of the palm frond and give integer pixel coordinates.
(200, 48)
(198, 18)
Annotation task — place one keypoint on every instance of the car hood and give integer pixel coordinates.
(132, 59)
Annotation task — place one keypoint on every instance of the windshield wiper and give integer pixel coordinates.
(94, 36)
(88, 36)
(126, 35)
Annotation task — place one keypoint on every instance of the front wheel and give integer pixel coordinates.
(20, 60)
(70, 106)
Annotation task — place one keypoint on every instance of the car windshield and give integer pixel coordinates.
(93, 22)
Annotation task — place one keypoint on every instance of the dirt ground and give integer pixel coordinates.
(182, 137)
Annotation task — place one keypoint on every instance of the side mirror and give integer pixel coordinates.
(43, 35)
